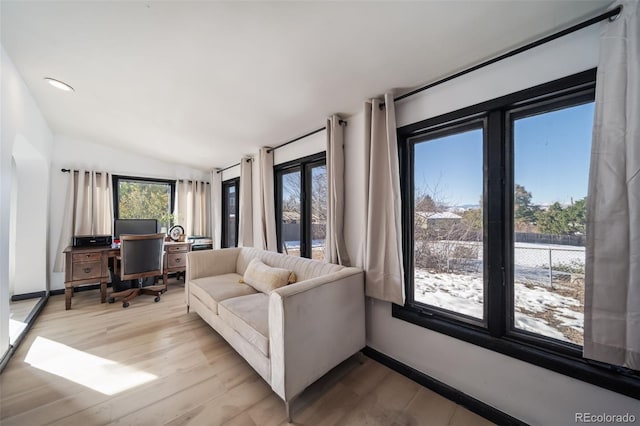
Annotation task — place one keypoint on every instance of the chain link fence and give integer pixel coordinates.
(550, 267)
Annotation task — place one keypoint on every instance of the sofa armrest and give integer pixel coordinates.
(313, 326)
(207, 263)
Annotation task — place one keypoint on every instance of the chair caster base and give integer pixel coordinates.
(125, 304)
(112, 300)
(157, 299)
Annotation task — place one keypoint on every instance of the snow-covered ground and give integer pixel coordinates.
(538, 309)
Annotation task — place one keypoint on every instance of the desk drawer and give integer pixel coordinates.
(177, 260)
(86, 270)
(177, 249)
(86, 257)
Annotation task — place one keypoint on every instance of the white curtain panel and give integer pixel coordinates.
(102, 203)
(384, 273)
(82, 213)
(192, 207)
(93, 211)
(612, 293)
(245, 221)
(88, 209)
(267, 209)
(335, 247)
(216, 208)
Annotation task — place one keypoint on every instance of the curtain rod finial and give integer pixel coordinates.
(617, 15)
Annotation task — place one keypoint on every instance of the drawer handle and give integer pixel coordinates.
(87, 270)
(178, 260)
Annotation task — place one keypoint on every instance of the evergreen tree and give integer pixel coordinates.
(524, 211)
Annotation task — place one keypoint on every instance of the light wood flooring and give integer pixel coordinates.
(19, 310)
(154, 364)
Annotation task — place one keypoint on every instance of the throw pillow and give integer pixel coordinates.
(265, 278)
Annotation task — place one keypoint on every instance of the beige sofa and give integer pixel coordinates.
(293, 335)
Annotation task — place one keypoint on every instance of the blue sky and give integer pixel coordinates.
(552, 154)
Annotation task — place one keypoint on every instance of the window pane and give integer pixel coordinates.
(230, 215)
(551, 167)
(448, 221)
(144, 200)
(291, 213)
(318, 211)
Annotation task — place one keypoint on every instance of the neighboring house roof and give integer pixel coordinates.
(438, 215)
(290, 217)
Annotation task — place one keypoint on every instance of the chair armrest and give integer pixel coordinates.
(207, 263)
(313, 326)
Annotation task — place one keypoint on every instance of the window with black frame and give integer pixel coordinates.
(448, 250)
(301, 206)
(230, 209)
(494, 225)
(144, 198)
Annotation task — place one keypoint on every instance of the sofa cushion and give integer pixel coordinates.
(249, 317)
(265, 278)
(304, 269)
(215, 289)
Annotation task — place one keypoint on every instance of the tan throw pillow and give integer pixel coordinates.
(264, 278)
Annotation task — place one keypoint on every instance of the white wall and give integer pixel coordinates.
(71, 153)
(304, 147)
(527, 392)
(28, 253)
(25, 139)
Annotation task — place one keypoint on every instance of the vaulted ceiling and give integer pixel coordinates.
(203, 83)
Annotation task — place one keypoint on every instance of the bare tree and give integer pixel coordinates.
(444, 241)
(292, 194)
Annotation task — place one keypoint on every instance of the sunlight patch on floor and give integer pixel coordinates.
(100, 374)
(15, 329)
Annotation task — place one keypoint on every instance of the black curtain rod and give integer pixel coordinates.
(611, 15)
(306, 135)
(191, 180)
(75, 171)
(179, 180)
(341, 122)
(296, 139)
(233, 165)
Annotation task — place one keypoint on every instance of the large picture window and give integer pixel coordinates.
(447, 222)
(144, 198)
(301, 206)
(551, 146)
(230, 209)
(494, 226)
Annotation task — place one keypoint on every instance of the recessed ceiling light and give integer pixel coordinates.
(59, 84)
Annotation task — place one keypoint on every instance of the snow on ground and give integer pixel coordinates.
(463, 293)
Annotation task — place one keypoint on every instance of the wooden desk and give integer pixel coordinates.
(88, 265)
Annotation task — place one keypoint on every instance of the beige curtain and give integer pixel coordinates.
(83, 212)
(384, 272)
(88, 209)
(267, 208)
(245, 221)
(335, 247)
(612, 285)
(216, 208)
(193, 201)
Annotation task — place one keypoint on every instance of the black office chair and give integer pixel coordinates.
(141, 257)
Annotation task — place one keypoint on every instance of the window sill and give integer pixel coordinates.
(599, 374)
